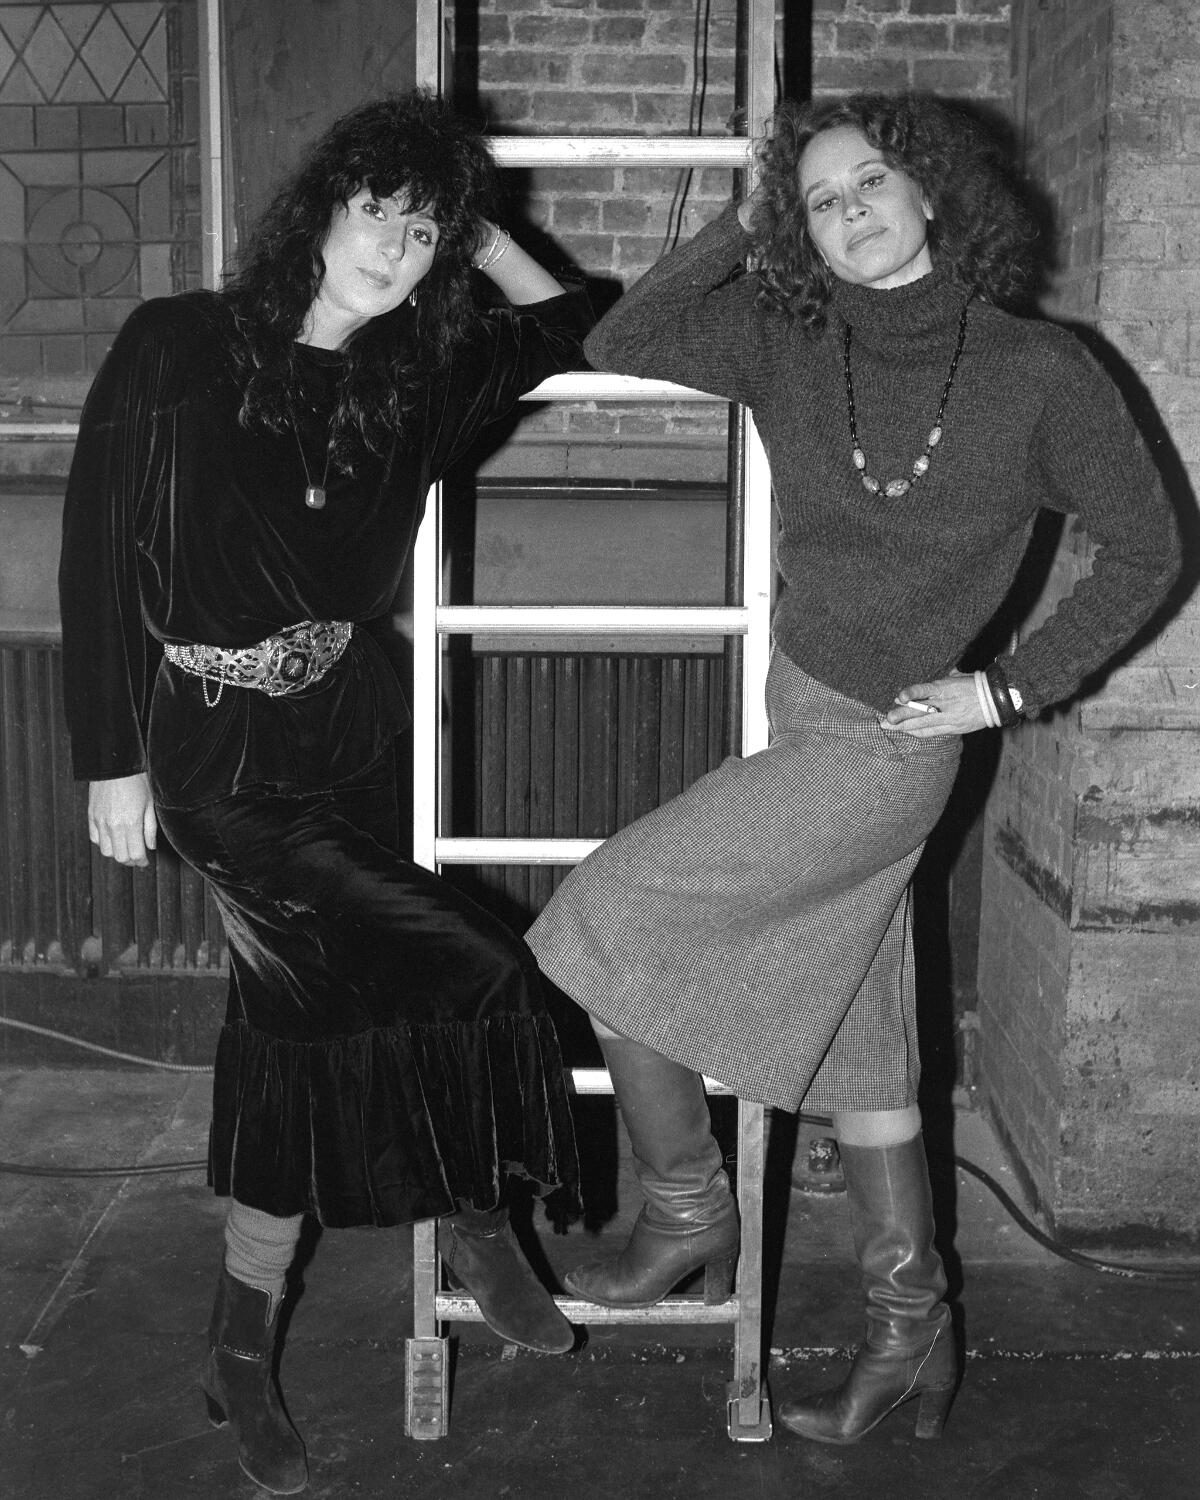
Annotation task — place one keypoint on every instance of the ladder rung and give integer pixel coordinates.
(621, 150)
(598, 385)
(597, 1081)
(578, 385)
(576, 619)
(454, 851)
(461, 1307)
(38, 431)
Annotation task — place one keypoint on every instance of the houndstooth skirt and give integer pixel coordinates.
(757, 927)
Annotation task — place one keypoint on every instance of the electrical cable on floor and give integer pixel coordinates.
(78, 1041)
(18, 1169)
(1075, 1257)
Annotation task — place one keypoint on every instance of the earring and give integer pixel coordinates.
(412, 298)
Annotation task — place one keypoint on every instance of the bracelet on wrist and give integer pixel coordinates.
(496, 250)
(987, 704)
(479, 264)
(1007, 699)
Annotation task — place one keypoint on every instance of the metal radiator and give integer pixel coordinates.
(62, 906)
(577, 746)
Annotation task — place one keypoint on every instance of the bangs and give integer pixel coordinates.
(410, 193)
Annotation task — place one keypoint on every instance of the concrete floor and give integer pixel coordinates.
(1078, 1384)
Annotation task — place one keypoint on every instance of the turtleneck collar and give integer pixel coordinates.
(921, 311)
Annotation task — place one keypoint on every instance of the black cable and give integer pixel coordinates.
(17, 1169)
(683, 182)
(1076, 1257)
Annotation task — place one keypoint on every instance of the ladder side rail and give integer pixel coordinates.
(429, 31)
(427, 681)
(758, 579)
(748, 1410)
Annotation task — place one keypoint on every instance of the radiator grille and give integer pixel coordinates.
(578, 746)
(62, 905)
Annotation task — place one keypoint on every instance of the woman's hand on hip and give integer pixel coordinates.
(121, 821)
(928, 710)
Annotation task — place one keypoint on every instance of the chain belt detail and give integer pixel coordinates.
(293, 659)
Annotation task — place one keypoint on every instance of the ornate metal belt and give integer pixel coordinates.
(288, 662)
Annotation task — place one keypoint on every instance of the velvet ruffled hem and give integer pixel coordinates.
(392, 1125)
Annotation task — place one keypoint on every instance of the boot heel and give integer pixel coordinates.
(216, 1412)
(718, 1278)
(933, 1411)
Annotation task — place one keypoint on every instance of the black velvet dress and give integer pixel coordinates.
(386, 1050)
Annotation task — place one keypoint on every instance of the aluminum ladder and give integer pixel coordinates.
(427, 1354)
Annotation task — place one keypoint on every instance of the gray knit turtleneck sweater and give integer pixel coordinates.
(884, 593)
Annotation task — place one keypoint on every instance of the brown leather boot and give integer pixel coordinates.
(481, 1251)
(909, 1349)
(239, 1387)
(689, 1219)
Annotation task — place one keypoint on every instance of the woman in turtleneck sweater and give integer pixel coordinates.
(757, 928)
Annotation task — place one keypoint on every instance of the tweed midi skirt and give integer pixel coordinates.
(386, 1051)
(757, 927)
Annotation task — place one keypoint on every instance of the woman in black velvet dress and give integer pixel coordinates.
(249, 475)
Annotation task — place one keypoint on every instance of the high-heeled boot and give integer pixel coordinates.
(689, 1218)
(239, 1387)
(481, 1251)
(909, 1349)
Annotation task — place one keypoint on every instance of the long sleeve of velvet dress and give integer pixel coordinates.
(386, 1051)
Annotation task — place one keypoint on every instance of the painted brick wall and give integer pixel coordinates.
(1091, 932)
(631, 67)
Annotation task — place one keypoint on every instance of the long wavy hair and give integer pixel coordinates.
(411, 146)
(982, 229)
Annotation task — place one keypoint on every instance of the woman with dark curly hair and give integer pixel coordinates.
(250, 471)
(756, 929)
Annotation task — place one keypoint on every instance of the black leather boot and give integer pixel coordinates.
(689, 1219)
(239, 1387)
(481, 1251)
(909, 1350)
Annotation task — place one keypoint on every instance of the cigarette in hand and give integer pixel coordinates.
(921, 708)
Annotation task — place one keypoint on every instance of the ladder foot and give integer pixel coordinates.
(749, 1415)
(426, 1388)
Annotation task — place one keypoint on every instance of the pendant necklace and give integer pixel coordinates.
(893, 489)
(314, 495)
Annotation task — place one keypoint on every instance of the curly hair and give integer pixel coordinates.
(982, 230)
(411, 146)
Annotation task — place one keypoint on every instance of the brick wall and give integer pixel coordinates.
(1061, 66)
(1091, 933)
(629, 67)
(959, 48)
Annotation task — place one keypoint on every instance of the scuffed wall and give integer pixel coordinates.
(1090, 939)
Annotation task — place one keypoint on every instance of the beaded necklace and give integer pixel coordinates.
(893, 489)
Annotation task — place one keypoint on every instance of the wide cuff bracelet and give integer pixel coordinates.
(1007, 701)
